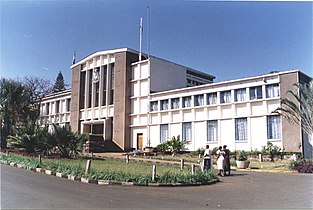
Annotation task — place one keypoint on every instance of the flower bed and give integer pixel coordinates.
(302, 166)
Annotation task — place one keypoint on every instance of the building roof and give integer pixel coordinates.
(227, 82)
(113, 51)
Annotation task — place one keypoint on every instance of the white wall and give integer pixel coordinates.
(254, 110)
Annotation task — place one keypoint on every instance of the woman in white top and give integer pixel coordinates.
(220, 161)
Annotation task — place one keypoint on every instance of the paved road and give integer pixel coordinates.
(244, 190)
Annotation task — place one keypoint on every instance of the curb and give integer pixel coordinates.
(265, 170)
(105, 182)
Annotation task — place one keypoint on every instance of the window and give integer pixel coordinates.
(68, 104)
(67, 125)
(47, 108)
(240, 94)
(186, 101)
(225, 97)
(153, 106)
(112, 84)
(199, 100)
(90, 89)
(255, 92)
(273, 127)
(241, 129)
(104, 85)
(97, 93)
(175, 103)
(82, 90)
(187, 131)
(212, 130)
(211, 98)
(272, 91)
(57, 107)
(164, 105)
(163, 133)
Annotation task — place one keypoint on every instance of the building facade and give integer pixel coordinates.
(55, 109)
(130, 102)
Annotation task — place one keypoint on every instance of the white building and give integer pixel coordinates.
(55, 109)
(126, 102)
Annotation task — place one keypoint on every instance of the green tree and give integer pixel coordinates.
(297, 107)
(66, 143)
(29, 137)
(176, 145)
(14, 107)
(59, 83)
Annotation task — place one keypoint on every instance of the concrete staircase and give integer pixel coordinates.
(96, 143)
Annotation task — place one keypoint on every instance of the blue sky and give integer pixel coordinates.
(229, 40)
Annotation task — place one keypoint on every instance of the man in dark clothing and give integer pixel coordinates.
(227, 160)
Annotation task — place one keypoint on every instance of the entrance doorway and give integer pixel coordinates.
(139, 141)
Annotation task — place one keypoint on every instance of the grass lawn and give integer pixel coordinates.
(281, 166)
(274, 166)
(115, 169)
(119, 165)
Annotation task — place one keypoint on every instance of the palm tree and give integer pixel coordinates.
(30, 137)
(14, 107)
(67, 143)
(297, 107)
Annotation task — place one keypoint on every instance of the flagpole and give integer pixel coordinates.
(140, 41)
(74, 58)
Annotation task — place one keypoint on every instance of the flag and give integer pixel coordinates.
(74, 58)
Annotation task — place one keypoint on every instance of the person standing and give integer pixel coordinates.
(226, 160)
(207, 158)
(220, 161)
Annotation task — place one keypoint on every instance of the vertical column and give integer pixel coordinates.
(101, 85)
(218, 101)
(108, 92)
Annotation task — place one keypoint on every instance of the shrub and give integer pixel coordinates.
(163, 147)
(198, 151)
(302, 166)
(273, 151)
(28, 137)
(241, 155)
(66, 143)
(215, 149)
(174, 145)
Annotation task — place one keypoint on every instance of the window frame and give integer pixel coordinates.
(175, 101)
(185, 134)
(213, 98)
(238, 129)
(255, 91)
(184, 101)
(154, 104)
(272, 92)
(228, 96)
(198, 100)
(164, 105)
(162, 139)
(240, 95)
(212, 124)
(274, 127)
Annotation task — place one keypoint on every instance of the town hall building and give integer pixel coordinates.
(126, 102)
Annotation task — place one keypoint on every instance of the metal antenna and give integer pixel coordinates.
(140, 42)
(148, 31)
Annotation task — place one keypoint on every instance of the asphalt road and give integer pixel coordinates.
(244, 190)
